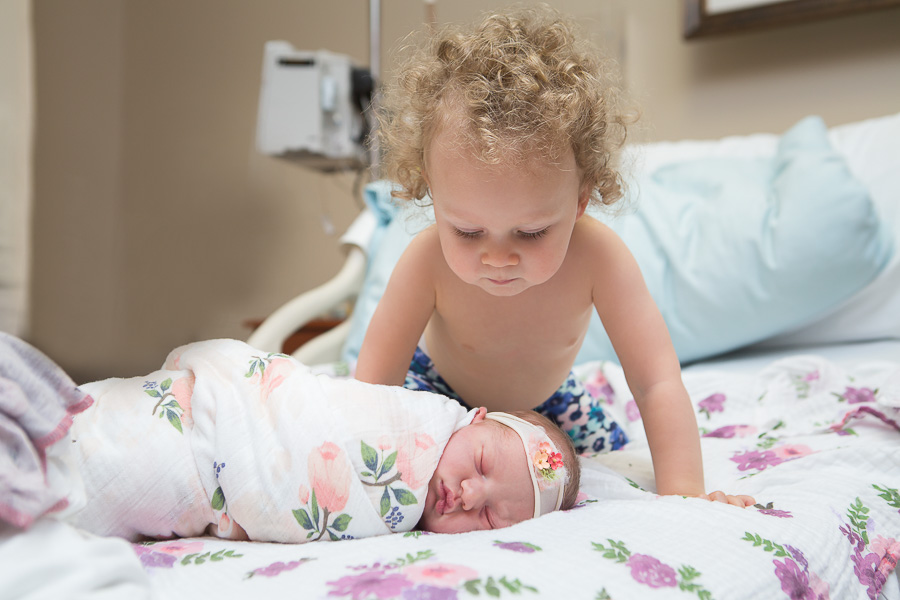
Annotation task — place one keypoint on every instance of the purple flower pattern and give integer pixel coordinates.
(711, 404)
(756, 459)
(149, 558)
(858, 395)
(430, 592)
(523, 547)
(781, 514)
(873, 560)
(377, 583)
(414, 578)
(731, 431)
(277, 568)
(650, 571)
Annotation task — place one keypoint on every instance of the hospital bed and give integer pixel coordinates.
(775, 260)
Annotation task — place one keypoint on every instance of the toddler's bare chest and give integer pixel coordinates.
(549, 321)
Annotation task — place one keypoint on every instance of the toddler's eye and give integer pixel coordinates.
(466, 234)
(534, 235)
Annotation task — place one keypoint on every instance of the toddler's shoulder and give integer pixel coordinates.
(423, 252)
(597, 250)
(591, 235)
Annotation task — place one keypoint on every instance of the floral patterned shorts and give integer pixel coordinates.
(571, 407)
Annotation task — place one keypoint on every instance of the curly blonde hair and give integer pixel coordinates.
(518, 86)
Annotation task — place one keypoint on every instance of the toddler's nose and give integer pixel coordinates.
(499, 256)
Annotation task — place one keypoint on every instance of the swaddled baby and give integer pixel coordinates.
(482, 481)
(234, 442)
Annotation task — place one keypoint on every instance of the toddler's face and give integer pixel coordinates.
(501, 228)
(481, 481)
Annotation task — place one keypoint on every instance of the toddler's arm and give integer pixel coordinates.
(400, 318)
(642, 343)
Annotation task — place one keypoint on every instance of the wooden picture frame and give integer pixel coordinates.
(763, 14)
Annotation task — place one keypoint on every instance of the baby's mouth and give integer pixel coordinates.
(443, 500)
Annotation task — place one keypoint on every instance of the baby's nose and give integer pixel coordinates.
(473, 494)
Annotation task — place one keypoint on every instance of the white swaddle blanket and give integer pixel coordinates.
(227, 435)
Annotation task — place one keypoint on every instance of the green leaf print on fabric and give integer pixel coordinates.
(199, 559)
(308, 517)
(859, 519)
(218, 499)
(633, 484)
(889, 495)
(617, 550)
(383, 470)
(168, 405)
(259, 363)
(410, 558)
(493, 587)
(768, 545)
(803, 383)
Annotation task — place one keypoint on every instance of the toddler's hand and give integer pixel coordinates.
(740, 501)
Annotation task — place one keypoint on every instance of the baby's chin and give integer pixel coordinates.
(427, 520)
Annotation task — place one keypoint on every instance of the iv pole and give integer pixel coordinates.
(375, 69)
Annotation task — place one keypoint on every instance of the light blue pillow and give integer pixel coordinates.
(733, 250)
(396, 229)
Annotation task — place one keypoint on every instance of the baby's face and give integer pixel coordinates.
(481, 481)
(503, 229)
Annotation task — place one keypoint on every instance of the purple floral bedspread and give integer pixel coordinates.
(817, 446)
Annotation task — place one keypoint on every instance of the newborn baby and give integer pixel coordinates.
(499, 470)
(230, 441)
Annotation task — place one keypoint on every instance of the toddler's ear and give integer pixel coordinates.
(480, 412)
(583, 199)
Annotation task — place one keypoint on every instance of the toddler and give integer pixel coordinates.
(511, 128)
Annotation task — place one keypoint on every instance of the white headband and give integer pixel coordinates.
(545, 465)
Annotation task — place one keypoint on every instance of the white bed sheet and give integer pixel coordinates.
(621, 541)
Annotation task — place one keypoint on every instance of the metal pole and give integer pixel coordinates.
(375, 68)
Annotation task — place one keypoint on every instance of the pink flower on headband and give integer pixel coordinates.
(556, 461)
(546, 461)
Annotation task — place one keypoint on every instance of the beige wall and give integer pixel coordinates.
(156, 223)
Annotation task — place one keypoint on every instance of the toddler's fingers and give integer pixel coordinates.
(741, 501)
(736, 501)
(717, 496)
